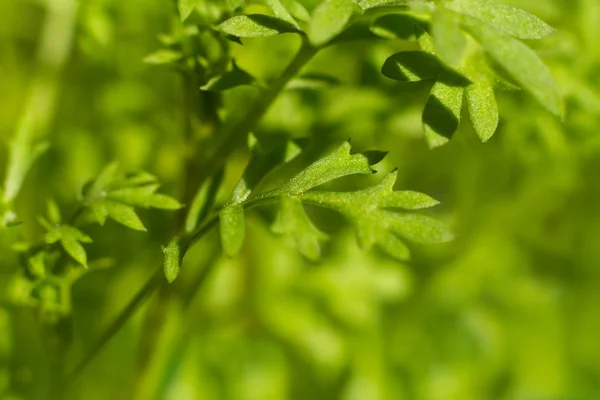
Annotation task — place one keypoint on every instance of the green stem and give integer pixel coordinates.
(232, 137)
(153, 283)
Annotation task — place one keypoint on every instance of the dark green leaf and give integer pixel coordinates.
(414, 66)
(394, 26)
(228, 80)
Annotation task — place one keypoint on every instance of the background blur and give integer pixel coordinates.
(509, 310)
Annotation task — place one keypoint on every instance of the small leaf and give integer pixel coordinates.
(53, 212)
(281, 11)
(52, 236)
(442, 113)
(293, 221)
(163, 56)
(521, 63)
(483, 109)
(37, 264)
(480, 97)
(164, 202)
(256, 25)
(232, 229)
(173, 258)
(70, 239)
(124, 215)
(297, 10)
(337, 164)
(74, 249)
(185, 8)
(506, 19)
(203, 201)
(367, 4)
(329, 19)
(99, 211)
(139, 196)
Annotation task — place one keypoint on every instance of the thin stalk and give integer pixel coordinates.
(155, 281)
(151, 285)
(232, 137)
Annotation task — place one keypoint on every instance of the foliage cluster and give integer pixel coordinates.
(292, 251)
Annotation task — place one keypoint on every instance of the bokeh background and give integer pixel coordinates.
(509, 310)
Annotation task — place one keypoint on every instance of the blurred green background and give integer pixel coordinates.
(509, 310)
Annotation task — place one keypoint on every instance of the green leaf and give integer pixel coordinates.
(203, 201)
(293, 221)
(185, 8)
(506, 19)
(164, 202)
(163, 56)
(281, 11)
(232, 229)
(256, 25)
(228, 80)
(448, 38)
(480, 97)
(114, 195)
(37, 264)
(367, 4)
(53, 212)
(70, 239)
(262, 162)
(297, 10)
(173, 259)
(74, 249)
(375, 224)
(335, 165)
(124, 214)
(521, 63)
(138, 196)
(442, 113)
(329, 19)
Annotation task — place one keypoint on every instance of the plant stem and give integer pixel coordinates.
(231, 138)
(153, 283)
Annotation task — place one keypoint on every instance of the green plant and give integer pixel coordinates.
(461, 52)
